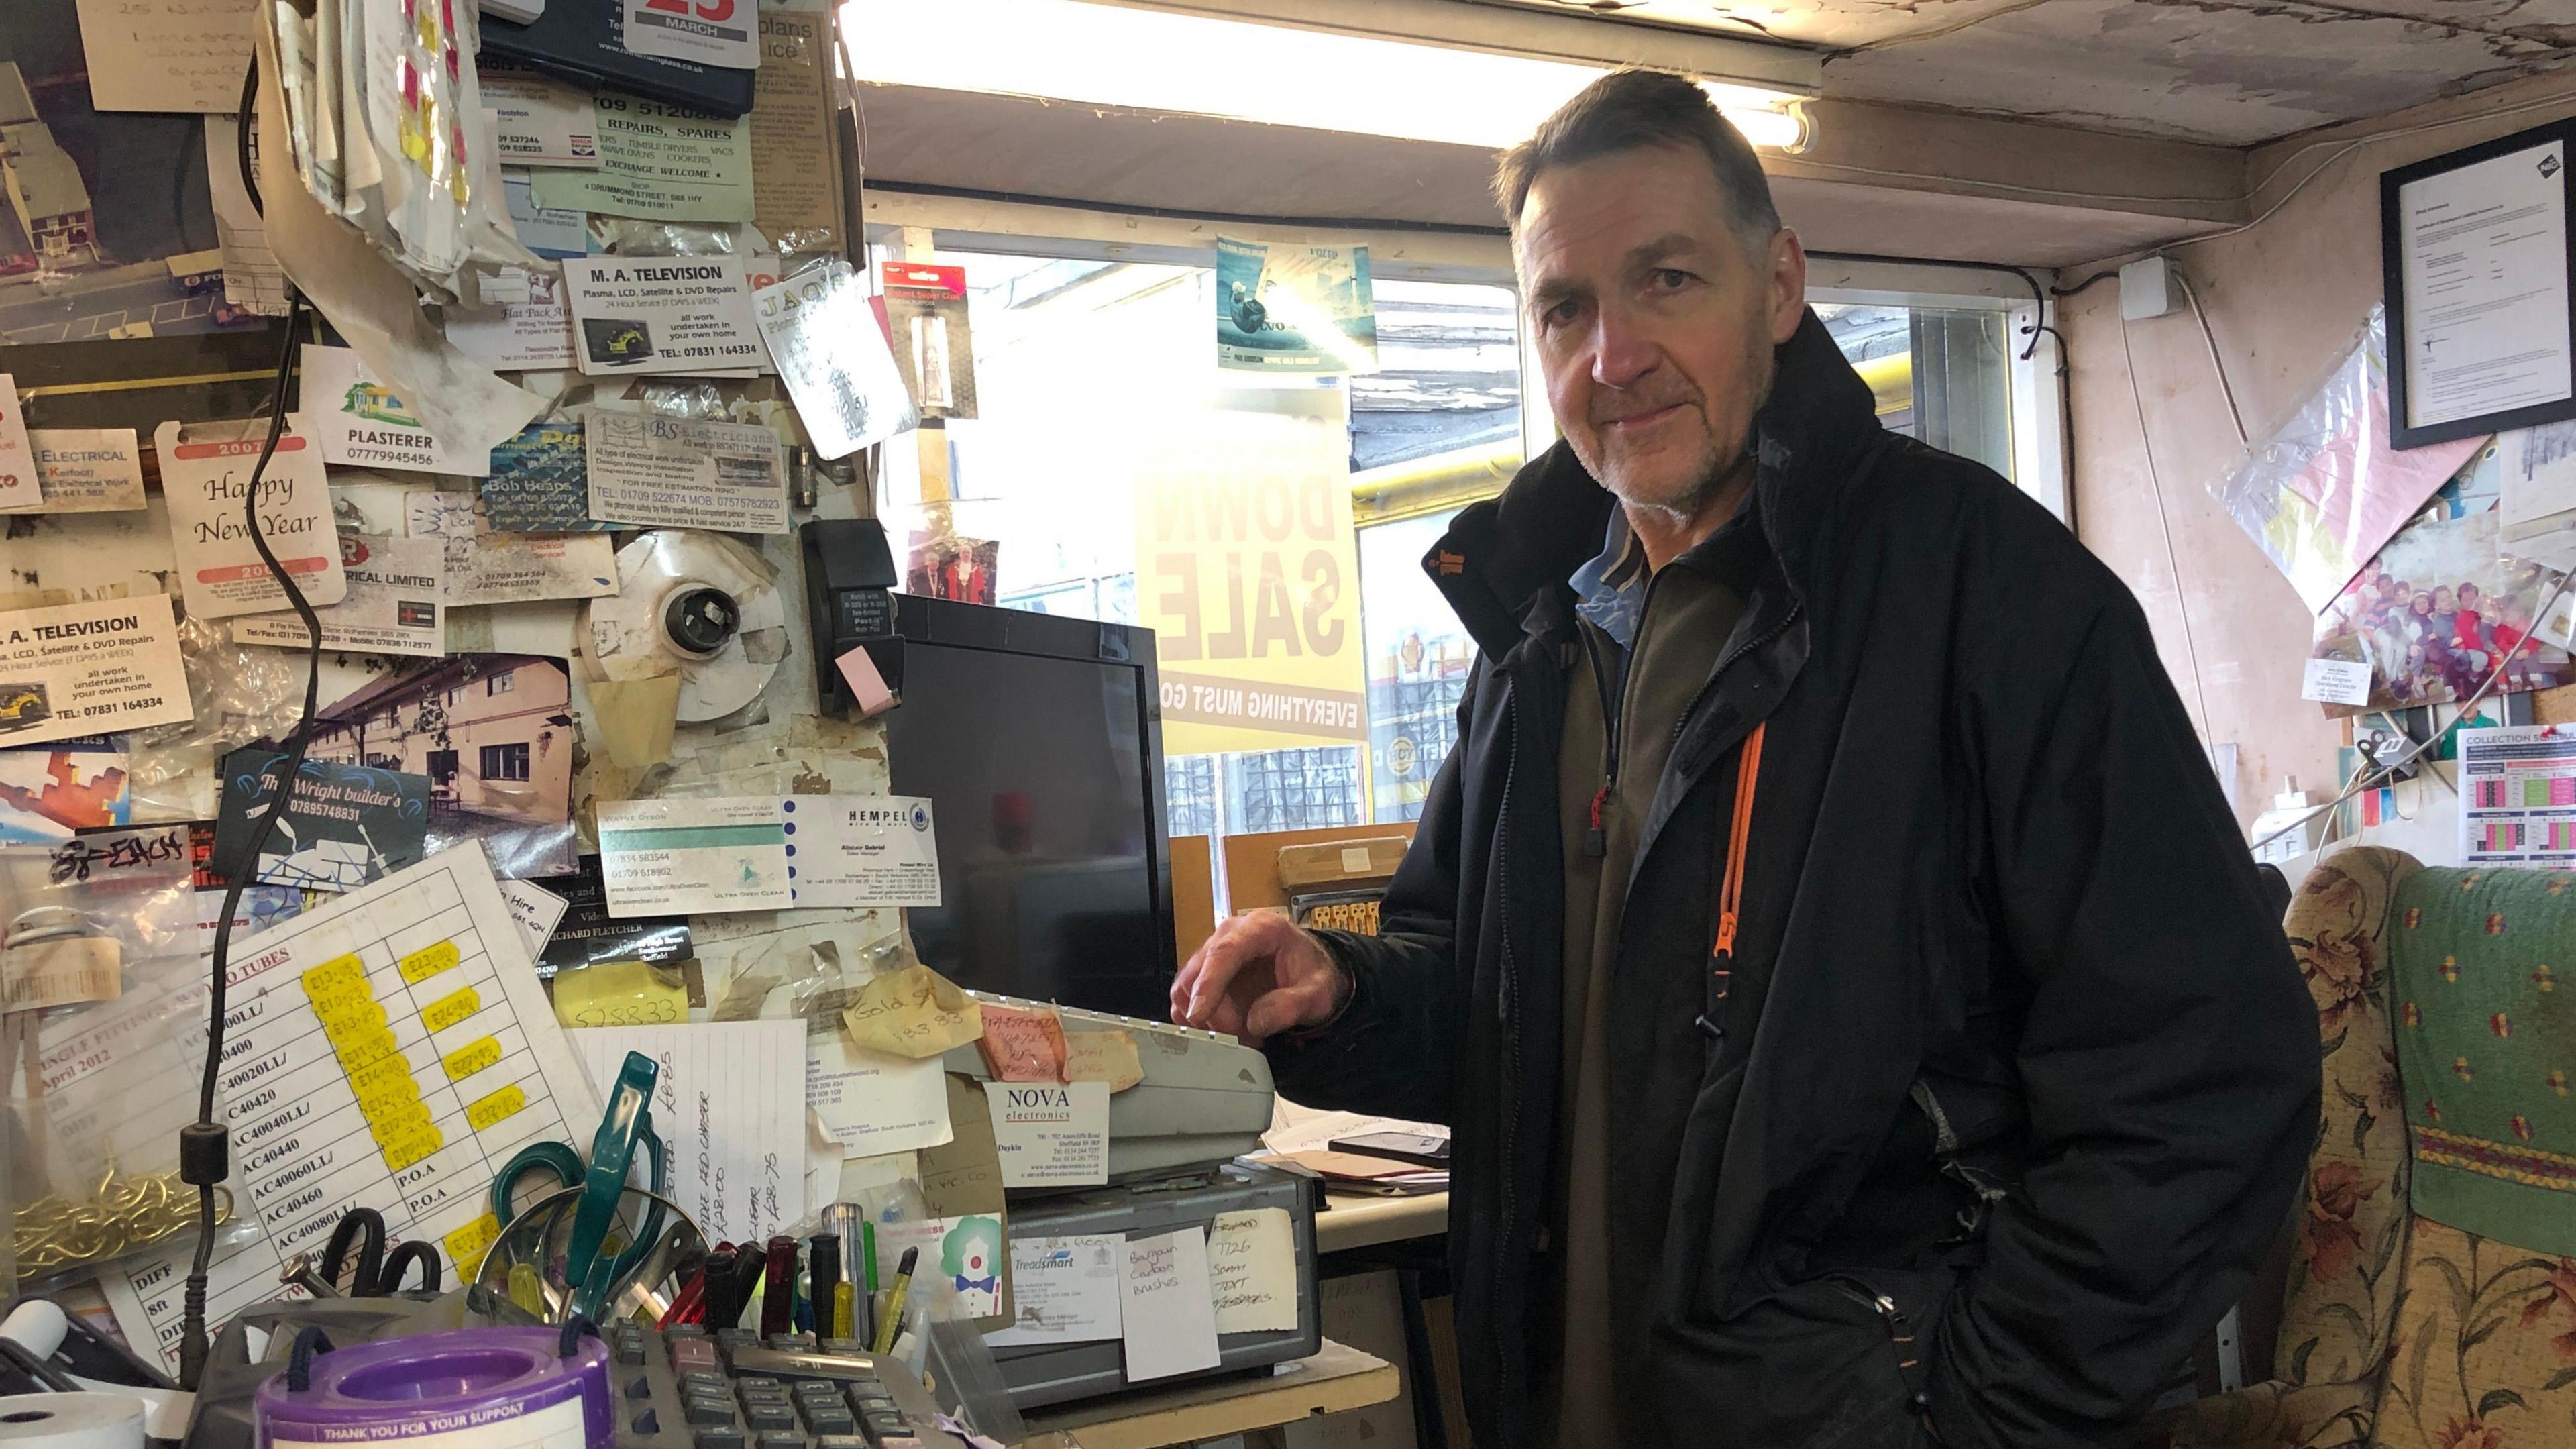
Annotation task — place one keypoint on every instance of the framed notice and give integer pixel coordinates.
(2481, 282)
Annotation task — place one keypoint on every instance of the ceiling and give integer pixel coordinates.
(2234, 72)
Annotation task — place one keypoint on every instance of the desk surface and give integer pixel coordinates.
(1361, 1221)
(1336, 1379)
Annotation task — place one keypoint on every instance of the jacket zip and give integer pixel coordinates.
(1614, 708)
(1505, 994)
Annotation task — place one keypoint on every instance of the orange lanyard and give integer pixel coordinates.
(1730, 894)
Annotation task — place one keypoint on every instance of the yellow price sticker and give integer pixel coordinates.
(428, 961)
(467, 1245)
(499, 1107)
(447, 1011)
(363, 1051)
(402, 1154)
(465, 1061)
(346, 970)
(346, 1016)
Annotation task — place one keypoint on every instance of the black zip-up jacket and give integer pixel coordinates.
(2015, 1079)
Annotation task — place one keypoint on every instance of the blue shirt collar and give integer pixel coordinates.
(1610, 591)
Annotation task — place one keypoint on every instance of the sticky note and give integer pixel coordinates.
(620, 993)
(1103, 1056)
(1252, 1271)
(1022, 1046)
(915, 1012)
(867, 686)
(422, 964)
(1169, 1321)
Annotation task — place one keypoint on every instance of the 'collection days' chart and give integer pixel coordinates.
(390, 1050)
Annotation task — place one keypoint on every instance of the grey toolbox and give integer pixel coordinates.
(1042, 1374)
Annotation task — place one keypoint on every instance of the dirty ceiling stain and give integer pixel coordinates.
(2236, 72)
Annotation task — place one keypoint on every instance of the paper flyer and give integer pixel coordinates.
(485, 566)
(86, 669)
(2518, 796)
(205, 473)
(541, 121)
(679, 473)
(659, 162)
(667, 857)
(540, 482)
(662, 314)
(89, 470)
(822, 335)
(1295, 310)
(875, 850)
(534, 335)
(395, 605)
(21, 490)
(362, 425)
(710, 32)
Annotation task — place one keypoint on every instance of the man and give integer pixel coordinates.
(1855, 1008)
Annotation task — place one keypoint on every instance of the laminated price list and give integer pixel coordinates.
(391, 1051)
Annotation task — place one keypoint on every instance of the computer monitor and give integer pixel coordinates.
(1039, 743)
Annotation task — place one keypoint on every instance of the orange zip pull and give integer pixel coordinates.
(1730, 892)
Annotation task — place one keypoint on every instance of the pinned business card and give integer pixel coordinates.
(1051, 1134)
(539, 121)
(396, 602)
(862, 850)
(206, 471)
(2336, 681)
(362, 424)
(660, 472)
(20, 491)
(86, 669)
(675, 857)
(89, 470)
(521, 336)
(662, 314)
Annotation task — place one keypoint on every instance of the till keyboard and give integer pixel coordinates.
(684, 1388)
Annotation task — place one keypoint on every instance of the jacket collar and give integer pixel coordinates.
(1549, 521)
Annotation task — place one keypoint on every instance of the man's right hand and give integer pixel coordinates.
(1257, 976)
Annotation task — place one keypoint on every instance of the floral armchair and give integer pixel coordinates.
(2398, 1331)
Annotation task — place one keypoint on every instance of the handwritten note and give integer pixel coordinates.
(730, 1110)
(536, 909)
(1103, 1056)
(915, 1012)
(166, 55)
(1170, 1322)
(1252, 1271)
(1022, 1046)
(620, 993)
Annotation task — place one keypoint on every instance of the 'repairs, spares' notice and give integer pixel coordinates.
(661, 314)
(682, 473)
(85, 669)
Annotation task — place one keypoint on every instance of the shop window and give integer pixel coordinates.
(505, 762)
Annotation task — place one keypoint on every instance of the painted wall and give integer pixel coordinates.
(2284, 298)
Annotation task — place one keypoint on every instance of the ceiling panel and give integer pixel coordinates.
(2230, 71)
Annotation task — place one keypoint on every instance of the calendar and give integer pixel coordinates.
(390, 1050)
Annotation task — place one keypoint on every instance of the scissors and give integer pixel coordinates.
(627, 1122)
(377, 1274)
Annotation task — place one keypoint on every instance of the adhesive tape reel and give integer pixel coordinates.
(699, 605)
(71, 1421)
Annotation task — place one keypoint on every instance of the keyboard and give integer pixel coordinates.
(685, 1388)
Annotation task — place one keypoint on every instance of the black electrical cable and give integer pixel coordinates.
(204, 1146)
(2088, 284)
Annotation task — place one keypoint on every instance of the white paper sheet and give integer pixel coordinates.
(1064, 1290)
(2483, 260)
(730, 1107)
(166, 55)
(431, 950)
(1252, 1271)
(252, 277)
(2518, 796)
(874, 1103)
(1168, 1320)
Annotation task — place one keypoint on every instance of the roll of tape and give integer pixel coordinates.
(38, 1325)
(71, 1421)
(473, 1388)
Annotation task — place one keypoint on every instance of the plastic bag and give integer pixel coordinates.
(100, 1086)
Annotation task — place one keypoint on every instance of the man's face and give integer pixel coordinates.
(1654, 324)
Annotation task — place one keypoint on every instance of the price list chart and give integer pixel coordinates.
(390, 1050)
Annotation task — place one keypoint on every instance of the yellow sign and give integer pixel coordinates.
(1247, 571)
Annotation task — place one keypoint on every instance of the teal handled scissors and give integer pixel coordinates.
(627, 1123)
